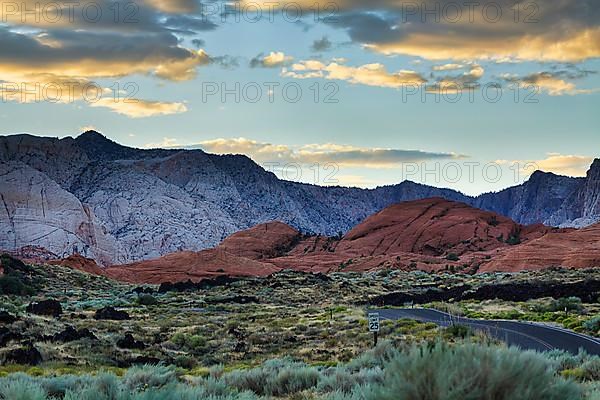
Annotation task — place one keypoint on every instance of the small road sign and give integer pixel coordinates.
(373, 322)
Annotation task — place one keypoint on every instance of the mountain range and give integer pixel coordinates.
(117, 205)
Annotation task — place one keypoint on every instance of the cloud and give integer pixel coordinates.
(272, 60)
(189, 25)
(60, 66)
(322, 44)
(570, 165)
(175, 6)
(141, 108)
(456, 83)
(50, 88)
(447, 67)
(226, 61)
(555, 30)
(369, 74)
(166, 143)
(342, 155)
(92, 54)
(551, 83)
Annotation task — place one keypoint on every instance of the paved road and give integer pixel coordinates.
(522, 334)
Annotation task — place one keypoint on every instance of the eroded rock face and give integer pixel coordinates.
(36, 210)
(582, 207)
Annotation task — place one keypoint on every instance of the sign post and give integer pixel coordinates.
(373, 318)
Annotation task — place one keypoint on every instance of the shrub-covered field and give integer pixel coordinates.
(65, 334)
(433, 371)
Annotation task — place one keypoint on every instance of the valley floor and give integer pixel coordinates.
(228, 332)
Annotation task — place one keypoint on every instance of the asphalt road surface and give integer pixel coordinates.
(525, 335)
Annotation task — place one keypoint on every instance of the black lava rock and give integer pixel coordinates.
(71, 334)
(111, 313)
(128, 342)
(221, 280)
(25, 356)
(6, 335)
(45, 307)
(7, 318)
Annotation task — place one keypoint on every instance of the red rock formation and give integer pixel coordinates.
(263, 241)
(80, 263)
(431, 234)
(185, 265)
(432, 227)
(566, 248)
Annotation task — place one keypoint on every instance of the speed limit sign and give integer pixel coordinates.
(373, 322)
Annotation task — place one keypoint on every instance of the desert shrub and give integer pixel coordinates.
(275, 378)
(184, 361)
(376, 357)
(563, 360)
(342, 380)
(358, 393)
(592, 324)
(470, 372)
(145, 299)
(152, 376)
(192, 343)
(102, 387)
(21, 388)
(452, 257)
(336, 380)
(549, 306)
(12, 285)
(568, 303)
(591, 369)
(109, 387)
(514, 239)
(458, 331)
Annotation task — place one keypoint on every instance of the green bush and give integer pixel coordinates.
(472, 372)
(146, 300)
(568, 303)
(146, 376)
(21, 388)
(452, 257)
(458, 331)
(275, 378)
(435, 371)
(592, 324)
(12, 285)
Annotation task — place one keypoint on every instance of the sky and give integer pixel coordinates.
(346, 92)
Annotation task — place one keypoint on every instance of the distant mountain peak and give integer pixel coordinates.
(91, 133)
(594, 168)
